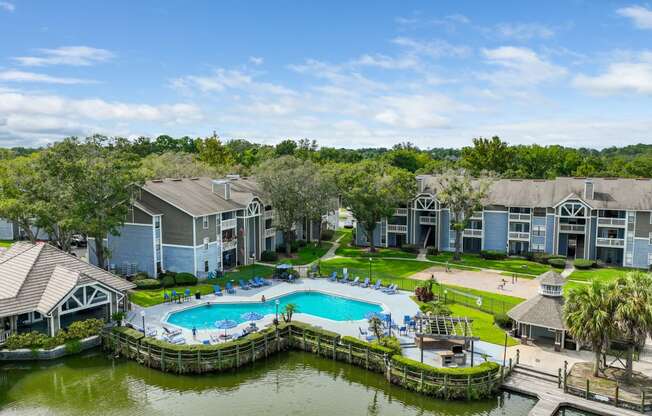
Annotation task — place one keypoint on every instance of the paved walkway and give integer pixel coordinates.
(481, 280)
(568, 269)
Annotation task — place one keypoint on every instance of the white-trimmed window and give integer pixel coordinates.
(206, 269)
(537, 247)
(205, 222)
(649, 236)
(206, 240)
(649, 259)
(539, 230)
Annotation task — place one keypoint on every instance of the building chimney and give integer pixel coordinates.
(588, 189)
(420, 181)
(222, 187)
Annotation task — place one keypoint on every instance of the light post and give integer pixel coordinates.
(277, 302)
(445, 296)
(370, 261)
(142, 315)
(253, 262)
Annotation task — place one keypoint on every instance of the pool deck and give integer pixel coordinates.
(398, 305)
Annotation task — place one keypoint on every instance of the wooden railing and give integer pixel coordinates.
(519, 217)
(228, 224)
(579, 228)
(516, 235)
(400, 212)
(270, 232)
(229, 245)
(269, 214)
(428, 220)
(3, 336)
(397, 228)
(472, 232)
(610, 242)
(613, 222)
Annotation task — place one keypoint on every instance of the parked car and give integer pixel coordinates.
(78, 240)
(348, 224)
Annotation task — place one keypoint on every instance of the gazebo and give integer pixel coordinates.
(541, 317)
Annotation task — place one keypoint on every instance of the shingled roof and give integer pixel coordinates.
(621, 193)
(35, 277)
(542, 311)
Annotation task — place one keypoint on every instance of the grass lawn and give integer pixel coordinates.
(606, 274)
(348, 250)
(6, 243)
(154, 297)
(307, 254)
(519, 266)
(491, 302)
(389, 270)
(483, 325)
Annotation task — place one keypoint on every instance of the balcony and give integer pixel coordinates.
(610, 242)
(229, 244)
(270, 232)
(397, 228)
(229, 224)
(472, 232)
(400, 212)
(516, 235)
(425, 220)
(572, 228)
(612, 222)
(269, 215)
(3, 336)
(519, 217)
(476, 216)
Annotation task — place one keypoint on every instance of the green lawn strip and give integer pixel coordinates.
(483, 325)
(389, 270)
(154, 297)
(346, 234)
(307, 254)
(6, 243)
(510, 265)
(493, 303)
(606, 274)
(345, 250)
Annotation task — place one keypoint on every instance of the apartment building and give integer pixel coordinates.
(605, 219)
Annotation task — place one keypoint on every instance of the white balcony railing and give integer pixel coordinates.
(515, 235)
(572, 228)
(269, 214)
(428, 220)
(476, 215)
(229, 245)
(610, 242)
(3, 336)
(228, 224)
(472, 232)
(613, 222)
(400, 212)
(270, 232)
(519, 217)
(397, 228)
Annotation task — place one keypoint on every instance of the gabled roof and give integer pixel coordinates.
(44, 274)
(621, 193)
(542, 311)
(551, 277)
(196, 197)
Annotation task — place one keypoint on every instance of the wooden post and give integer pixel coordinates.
(318, 344)
(219, 359)
(334, 349)
(404, 376)
(502, 374)
(266, 353)
(565, 376)
(304, 341)
(350, 355)
(587, 389)
(162, 359)
(445, 385)
(559, 378)
(511, 365)
(366, 362)
(237, 355)
(518, 356)
(179, 361)
(468, 387)
(642, 401)
(617, 393)
(149, 355)
(421, 382)
(199, 361)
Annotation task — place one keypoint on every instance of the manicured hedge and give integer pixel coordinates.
(327, 235)
(480, 370)
(129, 332)
(493, 254)
(347, 340)
(268, 255)
(502, 320)
(432, 251)
(140, 276)
(410, 248)
(183, 279)
(583, 264)
(147, 284)
(558, 263)
(76, 331)
(168, 281)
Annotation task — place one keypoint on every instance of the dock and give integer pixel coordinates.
(544, 387)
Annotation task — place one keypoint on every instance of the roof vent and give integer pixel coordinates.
(588, 189)
(233, 177)
(222, 188)
(420, 183)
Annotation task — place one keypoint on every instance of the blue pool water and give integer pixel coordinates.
(313, 303)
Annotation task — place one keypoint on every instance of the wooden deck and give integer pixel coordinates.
(551, 398)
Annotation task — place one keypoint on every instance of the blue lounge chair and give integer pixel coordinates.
(253, 283)
(261, 281)
(244, 285)
(291, 279)
(333, 277)
(365, 283)
(217, 290)
(186, 294)
(363, 332)
(386, 289)
(175, 296)
(355, 281)
(390, 290)
(344, 279)
(229, 288)
(378, 284)
(166, 297)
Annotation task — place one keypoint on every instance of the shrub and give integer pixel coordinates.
(147, 284)
(583, 264)
(423, 292)
(167, 281)
(410, 248)
(492, 254)
(84, 329)
(557, 263)
(327, 235)
(347, 340)
(391, 343)
(73, 346)
(185, 279)
(432, 251)
(480, 370)
(268, 255)
(436, 308)
(76, 331)
(503, 321)
(140, 276)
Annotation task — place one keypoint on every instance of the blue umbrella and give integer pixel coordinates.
(225, 324)
(370, 315)
(251, 316)
(284, 266)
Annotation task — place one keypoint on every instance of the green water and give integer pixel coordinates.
(290, 384)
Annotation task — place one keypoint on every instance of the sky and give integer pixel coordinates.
(347, 74)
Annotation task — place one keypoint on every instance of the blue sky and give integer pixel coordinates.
(349, 74)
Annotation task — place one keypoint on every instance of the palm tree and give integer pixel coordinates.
(633, 313)
(376, 326)
(289, 310)
(588, 314)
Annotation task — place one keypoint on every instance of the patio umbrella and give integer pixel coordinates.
(225, 324)
(370, 315)
(284, 266)
(251, 316)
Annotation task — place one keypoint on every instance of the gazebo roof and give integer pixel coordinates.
(552, 278)
(542, 311)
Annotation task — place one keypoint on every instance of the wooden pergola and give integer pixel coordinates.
(445, 328)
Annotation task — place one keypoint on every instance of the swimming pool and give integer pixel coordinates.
(318, 304)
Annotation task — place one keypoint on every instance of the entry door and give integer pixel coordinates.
(572, 245)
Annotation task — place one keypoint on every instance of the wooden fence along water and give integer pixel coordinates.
(461, 383)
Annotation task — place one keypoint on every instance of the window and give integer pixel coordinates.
(205, 222)
(539, 230)
(537, 247)
(205, 243)
(206, 266)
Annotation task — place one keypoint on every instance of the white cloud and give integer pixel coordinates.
(415, 111)
(641, 16)
(524, 31)
(223, 79)
(23, 76)
(256, 60)
(520, 66)
(387, 62)
(633, 76)
(9, 7)
(434, 49)
(66, 55)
